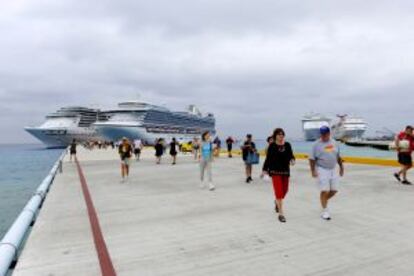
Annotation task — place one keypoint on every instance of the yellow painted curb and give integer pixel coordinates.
(360, 160)
(347, 159)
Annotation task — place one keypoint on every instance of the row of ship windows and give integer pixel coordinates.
(176, 129)
(153, 118)
(178, 120)
(168, 115)
(182, 123)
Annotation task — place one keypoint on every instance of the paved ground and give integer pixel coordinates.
(161, 223)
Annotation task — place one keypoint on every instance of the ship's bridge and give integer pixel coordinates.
(134, 105)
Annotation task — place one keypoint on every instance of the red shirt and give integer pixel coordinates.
(404, 136)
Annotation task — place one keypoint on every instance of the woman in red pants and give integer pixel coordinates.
(279, 158)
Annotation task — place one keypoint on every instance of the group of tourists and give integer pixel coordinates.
(160, 147)
(325, 161)
(90, 145)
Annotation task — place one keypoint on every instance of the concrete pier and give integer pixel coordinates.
(161, 223)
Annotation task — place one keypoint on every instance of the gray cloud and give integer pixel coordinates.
(256, 65)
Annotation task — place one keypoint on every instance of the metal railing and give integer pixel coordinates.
(15, 236)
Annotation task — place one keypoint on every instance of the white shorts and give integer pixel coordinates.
(328, 179)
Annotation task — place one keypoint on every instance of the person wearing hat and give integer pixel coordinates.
(125, 152)
(323, 159)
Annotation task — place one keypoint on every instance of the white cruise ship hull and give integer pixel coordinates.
(349, 134)
(61, 137)
(139, 120)
(349, 128)
(115, 132)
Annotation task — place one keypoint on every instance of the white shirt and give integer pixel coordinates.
(138, 144)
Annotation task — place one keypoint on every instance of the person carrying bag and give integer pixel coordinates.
(250, 156)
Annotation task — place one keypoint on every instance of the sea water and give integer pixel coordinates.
(22, 169)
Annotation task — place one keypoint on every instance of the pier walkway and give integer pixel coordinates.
(161, 223)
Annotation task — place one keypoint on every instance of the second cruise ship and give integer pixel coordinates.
(66, 124)
(140, 120)
(311, 124)
(349, 128)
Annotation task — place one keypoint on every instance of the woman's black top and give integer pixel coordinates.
(159, 149)
(173, 148)
(278, 159)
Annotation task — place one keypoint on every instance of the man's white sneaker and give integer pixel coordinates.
(211, 186)
(202, 185)
(325, 215)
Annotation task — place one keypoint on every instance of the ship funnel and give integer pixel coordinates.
(194, 110)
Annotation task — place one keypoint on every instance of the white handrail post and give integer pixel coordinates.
(60, 166)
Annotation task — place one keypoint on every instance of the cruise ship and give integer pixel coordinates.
(66, 124)
(311, 124)
(140, 120)
(349, 128)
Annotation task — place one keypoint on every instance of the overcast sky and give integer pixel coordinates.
(255, 64)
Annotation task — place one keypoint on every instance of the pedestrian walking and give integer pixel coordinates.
(125, 152)
(138, 148)
(196, 147)
(180, 145)
(279, 158)
(230, 142)
(72, 149)
(159, 150)
(404, 143)
(206, 160)
(323, 159)
(250, 156)
(217, 146)
(173, 150)
(269, 141)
